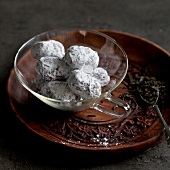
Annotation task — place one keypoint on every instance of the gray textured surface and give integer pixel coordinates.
(21, 20)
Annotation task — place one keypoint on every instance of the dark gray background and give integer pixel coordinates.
(20, 20)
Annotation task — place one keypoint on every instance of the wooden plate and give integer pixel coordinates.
(94, 131)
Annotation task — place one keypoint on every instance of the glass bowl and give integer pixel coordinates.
(112, 57)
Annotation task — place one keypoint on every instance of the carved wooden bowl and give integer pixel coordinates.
(93, 131)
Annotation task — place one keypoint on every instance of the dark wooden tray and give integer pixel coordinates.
(94, 131)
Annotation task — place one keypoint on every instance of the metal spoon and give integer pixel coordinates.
(153, 102)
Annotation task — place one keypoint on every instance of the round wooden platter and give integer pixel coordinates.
(93, 131)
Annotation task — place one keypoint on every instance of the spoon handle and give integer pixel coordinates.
(164, 124)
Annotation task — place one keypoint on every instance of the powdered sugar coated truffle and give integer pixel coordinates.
(84, 85)
(50, 48)
(79, 56)
(101, 75)
(75, 56)
(52, 68)
(58, 90)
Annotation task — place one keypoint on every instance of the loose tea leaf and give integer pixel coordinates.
(146, 85)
